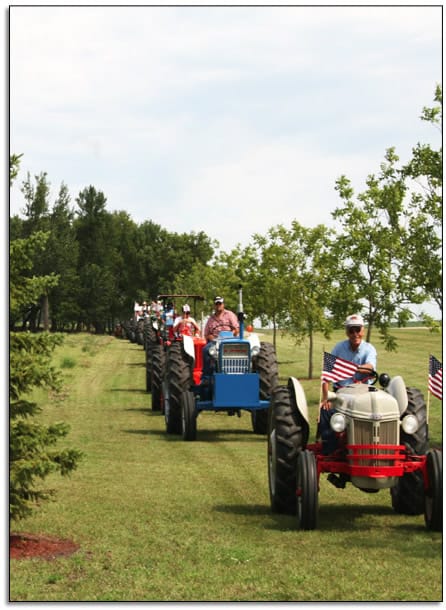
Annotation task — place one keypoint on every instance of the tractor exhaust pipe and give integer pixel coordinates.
(240, 314)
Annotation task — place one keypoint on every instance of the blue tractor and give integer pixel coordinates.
(245, 373)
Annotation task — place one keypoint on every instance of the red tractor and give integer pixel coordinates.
(160, 339)
(382, 443)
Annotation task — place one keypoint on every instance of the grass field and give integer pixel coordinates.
(159, 519)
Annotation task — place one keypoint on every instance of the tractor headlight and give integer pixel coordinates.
(213, 351)
(255, 351)
(409, 424)
(337, 422)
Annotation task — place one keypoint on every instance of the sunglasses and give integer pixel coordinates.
(354, 329)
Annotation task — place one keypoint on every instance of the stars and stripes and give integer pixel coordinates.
(435, 383)
(337, 369)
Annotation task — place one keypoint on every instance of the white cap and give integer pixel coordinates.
(186, 308)
(354, 320)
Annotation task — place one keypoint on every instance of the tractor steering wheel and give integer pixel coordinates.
(371, 374)
(215, 332)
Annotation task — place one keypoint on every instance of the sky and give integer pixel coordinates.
(227, 120)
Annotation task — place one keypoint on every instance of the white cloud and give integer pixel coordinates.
(177, 113)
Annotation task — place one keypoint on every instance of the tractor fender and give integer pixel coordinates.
(254, 340)
(397, 389)
(188, 345)
(299, 402)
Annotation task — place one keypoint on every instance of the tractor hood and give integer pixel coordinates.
(366, 402)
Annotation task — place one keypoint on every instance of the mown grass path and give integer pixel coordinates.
(159, 519)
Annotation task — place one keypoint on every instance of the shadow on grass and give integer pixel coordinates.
(243, 509)
(136, 364)
(351, 518)
(223, 435)
(206, 436)
(145, 410)
(133, 390)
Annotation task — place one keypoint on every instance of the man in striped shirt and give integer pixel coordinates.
(222, 319)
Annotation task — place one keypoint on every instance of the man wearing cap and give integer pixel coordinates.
(355, 350)
(222, 319)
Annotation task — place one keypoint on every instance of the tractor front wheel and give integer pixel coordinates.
(307, 490)
(433, 511)
(284, 443)
(158, 367)
(178, 378)
(188, 416)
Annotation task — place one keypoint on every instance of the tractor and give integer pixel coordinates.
(245, 371)
(159, 339)
(382, 443)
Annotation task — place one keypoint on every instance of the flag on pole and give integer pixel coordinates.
(336, 369)
(435, 377)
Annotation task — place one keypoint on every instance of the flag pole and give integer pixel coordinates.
(428, 404)
(427, 414)
(318, 431)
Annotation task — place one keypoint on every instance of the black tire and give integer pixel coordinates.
(188, 416)
(284, 444)
(158, 372)
(149, 333)
(139, 332)
(408, 493)
(265, 364)
(433, 512)
(178, 380)
(150, 341)
(419, 441)
(307, 490)
(259, 421)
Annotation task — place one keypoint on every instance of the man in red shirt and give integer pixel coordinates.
(221, 319)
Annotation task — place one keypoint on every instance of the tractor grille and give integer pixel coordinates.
(374, 433)
(234, 358)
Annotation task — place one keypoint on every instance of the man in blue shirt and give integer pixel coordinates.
(356, 350)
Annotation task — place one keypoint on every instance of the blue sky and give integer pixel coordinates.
(229, 120)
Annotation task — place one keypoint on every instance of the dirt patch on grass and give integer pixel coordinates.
(30, 546)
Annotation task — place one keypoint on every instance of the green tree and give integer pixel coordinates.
(32, 446)
(424, 174)
(290, 279)
(14, 167)
(95, 258)
(371, 246)
(61, 256)
(269, 281)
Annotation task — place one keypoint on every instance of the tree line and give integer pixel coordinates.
(383, 255)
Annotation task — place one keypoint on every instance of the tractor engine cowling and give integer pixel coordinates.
(372, 418)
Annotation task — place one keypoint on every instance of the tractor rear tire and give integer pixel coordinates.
(266, 366)
(408, 493)
(178, 380)
(285, 441)
(307, 490)
(158, 371)
(188, 416)
(433, 512)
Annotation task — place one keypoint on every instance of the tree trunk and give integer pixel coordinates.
(45, 312)
(310, 356)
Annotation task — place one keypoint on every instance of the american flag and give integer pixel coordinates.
(435, 377)
(336, 369)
